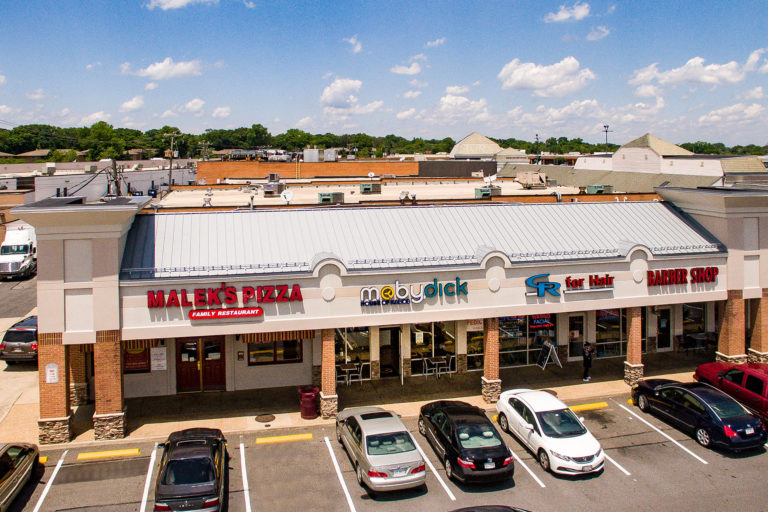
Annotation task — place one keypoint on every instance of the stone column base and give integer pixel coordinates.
(562, 354)
(375, 370)
(753, 356)
(109, 426)
(317, 375)
(737, 359)
(633, 372)
(78, 393)
(406, 369)
(461, 363)
(55, 430)
(491, 389)
(329, 405)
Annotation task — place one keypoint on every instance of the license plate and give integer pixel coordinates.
(587, 468)
(749, 431)
(489, 465)
(399, 472)
(18, 350)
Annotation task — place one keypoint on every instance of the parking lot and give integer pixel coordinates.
(651, 466)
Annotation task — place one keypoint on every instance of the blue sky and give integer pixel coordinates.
(683, 70)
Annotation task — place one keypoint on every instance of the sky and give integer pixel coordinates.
(682, 70)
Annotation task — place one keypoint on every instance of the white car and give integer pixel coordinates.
(552, 432)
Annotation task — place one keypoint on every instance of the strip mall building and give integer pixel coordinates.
(139, 304)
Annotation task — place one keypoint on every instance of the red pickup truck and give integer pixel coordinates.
(747, 383)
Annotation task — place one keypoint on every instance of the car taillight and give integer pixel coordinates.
(465, 463)
(211, 502)
(729, 432)
(33, 345)
(419, 469)
(507, 461)
(2, 346)
(161, 507)
(376, 474)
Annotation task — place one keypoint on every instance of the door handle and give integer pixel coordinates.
(199, 365)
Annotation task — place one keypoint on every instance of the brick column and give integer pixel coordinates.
(55, 423)
(633, 366)
(758, 352)
(109, 421)
(78, 382)
(490, 382)
(329, 400)
(730, 346)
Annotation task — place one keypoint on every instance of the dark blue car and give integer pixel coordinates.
(711, 416)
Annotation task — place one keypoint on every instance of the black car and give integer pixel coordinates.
(192, 471)
(490, 508)
(466, 441)
(20, 341)
(714, 418)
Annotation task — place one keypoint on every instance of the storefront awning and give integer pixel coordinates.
(269, 337)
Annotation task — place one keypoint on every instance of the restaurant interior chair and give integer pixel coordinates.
(341, 375)
(356, 374)
(429, 368)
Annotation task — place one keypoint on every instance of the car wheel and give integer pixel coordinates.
(9, 363)
(503, 423)
(703, 437)
(359, 474)
(544, 460)
(642, 403)
(422, 427)
(448, 468)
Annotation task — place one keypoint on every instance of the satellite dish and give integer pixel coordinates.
(286, 195)
(371, 174)
(403, 195)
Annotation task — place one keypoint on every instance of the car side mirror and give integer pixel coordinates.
(529, 426)
(581, 419)
(720, 374)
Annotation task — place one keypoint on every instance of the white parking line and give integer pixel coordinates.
(246, 491)
(50, 482)
(665, 435)
(617, 464)
(426, 459)
(338, 474)
(519, 460)
(149, 479)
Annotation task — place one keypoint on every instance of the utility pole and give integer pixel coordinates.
(115, 177)
(538, 160)
(170, 168)
(606, 130)
(204, 145)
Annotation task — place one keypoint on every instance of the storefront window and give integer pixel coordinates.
(475, 349)
(275, 352)
(135, 360)
(575, 335)
(521, 338)
(693, 318)
(430, 341)
(353, 346)
(608, 333)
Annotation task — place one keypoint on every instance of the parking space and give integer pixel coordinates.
(308, 469)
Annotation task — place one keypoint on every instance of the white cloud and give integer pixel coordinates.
(754, 59)
(647, 91)
(456, 89)
(194, 106)
(577, 110)
(559, 79)
(176, 4)
(411, 94)
(339, 93)
(694, 71)
(437, 42)
(221, 112)
(304, 122)
(249, 5)
(598, 33)
(132, 104)
(166, 69)
(406, 114)
(36, 95)
(418, 83)
(754, 94)
(579, 11)
(357, 46)
(418, 56)
(151, 86)
(168, 113)
(413, 69)
(455, 109)
(95, 117)
(2, 79)
(92, 65)
(739, 112)
(6, 110)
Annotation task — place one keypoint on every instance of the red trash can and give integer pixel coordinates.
(308, 402)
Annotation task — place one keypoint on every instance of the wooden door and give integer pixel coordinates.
(188, 365)
(214, 364)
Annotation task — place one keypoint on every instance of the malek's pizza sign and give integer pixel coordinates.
(223, 296)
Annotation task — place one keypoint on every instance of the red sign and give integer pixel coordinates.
(595, 281)
(209, 314)
(200, 297)
(681, 276)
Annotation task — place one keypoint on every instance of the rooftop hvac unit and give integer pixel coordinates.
(599, 189)
(370, 188)
(273, 177)
(50, 169)
(90, 169)
(330, 197)
(273, 188)
(487, 192)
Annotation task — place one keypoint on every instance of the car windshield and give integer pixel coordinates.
(726, 408)
(477, 435)
(17, 336)
(560, 423)
(387, 444)
(14, 249)
(188, 472)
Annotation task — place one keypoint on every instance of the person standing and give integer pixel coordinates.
(587, 356)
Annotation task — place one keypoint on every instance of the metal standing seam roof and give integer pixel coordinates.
(262, 242)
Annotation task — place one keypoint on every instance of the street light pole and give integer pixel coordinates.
(170, 168)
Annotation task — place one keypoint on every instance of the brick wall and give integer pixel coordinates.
(491, 348)
(634, 347)
(328, 351)
(760, 331)
(54, 398)
(212, 171)
(108, 369)
(732, 342)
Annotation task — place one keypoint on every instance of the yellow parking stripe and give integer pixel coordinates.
(631, 402)
(108, 454)
(43, 459)
(589, 407)
(495, 417)
(283, 439)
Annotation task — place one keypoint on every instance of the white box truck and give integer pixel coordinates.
(18, 252)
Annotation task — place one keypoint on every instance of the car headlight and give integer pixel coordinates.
(562, 457)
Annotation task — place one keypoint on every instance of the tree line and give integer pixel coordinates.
(102, 140)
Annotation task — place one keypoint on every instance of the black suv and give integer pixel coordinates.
(20, 341)
(466, 441)
(192, 471)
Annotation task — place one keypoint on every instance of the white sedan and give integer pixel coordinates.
(552, 432)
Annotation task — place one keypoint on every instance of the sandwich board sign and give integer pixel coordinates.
(548, 351)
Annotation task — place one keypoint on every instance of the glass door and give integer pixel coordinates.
(663, 329)
(576, 338)
(389, 351)
(200, 364)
